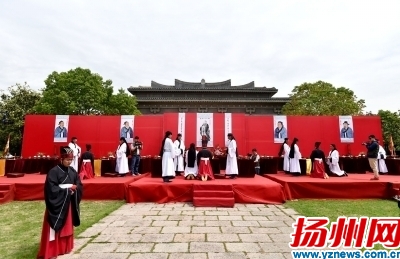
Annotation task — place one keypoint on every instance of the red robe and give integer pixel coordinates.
(86, 170)
(205, 165)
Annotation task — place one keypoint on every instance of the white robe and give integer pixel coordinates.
(334, 165)
(122, 160)
(231, 159)
(294, 163)
(190, 170)
(286, 149)
(381, 162)
(168, 158)
(179, 152)
(77, 153)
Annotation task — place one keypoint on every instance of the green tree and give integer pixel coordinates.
(14, 105)
(322, 98)
(81, 92)
(390, 126)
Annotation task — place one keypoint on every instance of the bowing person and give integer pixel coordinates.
(62, 193)
(333, 161)
(204, 162)
(294, 158)
(318, 162)
(191, 163)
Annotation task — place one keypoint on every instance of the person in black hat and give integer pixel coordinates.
(62, 193)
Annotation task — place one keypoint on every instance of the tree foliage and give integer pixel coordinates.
(14, 105)
(81, 92)
(390, 126)
(322, 98)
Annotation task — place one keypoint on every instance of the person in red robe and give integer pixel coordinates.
(204, 157)
(62, 192)
(87, 164)
(318, 162)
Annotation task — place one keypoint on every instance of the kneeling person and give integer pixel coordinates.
(191, 163)
(204, 162)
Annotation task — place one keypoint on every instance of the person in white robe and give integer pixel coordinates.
(294, 158)
(381, 160)
(191, 163)
(333, 162)
(284, 152)
(231, 158)
(122, 167)
(179, 154)
(167, 153)
(76, 152)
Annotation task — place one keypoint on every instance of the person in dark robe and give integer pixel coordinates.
(318, 162)
(191, 163)
(62, 192)
(204, 162)
(87, 164)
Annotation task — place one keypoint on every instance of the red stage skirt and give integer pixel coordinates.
(86, 171)
(63, 242)
(318, 170)
(205, 169)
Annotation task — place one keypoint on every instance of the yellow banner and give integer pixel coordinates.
(97, 167)
(2, 167)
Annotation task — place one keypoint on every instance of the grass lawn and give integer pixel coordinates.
(21, 224)
(350, 208)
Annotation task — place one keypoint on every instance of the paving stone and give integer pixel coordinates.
(248, 209)
(157, 238)
(231, 218)
(222, 238)
(79, 243)
(266, 256)
(215, 223)
(205, 230)
(98, 255)
(188, 256)
(180, 217)
(190, 223)
(172, 248)
(149, 256)
(155, 218)
(239, 213)
(205, 247)
(193, 213)
(280, 237)
(228, 209)
(185, 209)
(205, 218)
(262, 213)
(272, 224)
(290, 211)
(235, 230)
(279, 213)
(170, 212)
(181, 238)
(99, 248)
(118, 223)
(245, 223)
(116, 230)
(175, 230)
(254, 238)
(227, 256)
(124, 238)
(288, 230)
(275, 247)
(255, 218)
(166, 223)
(243, 247)
(280, 218)
(138, 223)
(148, 230)
(216, 213)
(135, 248)
(262, 230)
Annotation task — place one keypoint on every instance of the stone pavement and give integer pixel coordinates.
(179, 230)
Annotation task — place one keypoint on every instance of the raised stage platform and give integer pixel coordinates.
(355, 186)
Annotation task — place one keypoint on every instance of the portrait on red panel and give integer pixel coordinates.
(126, 127)
(61, 128)
(205, 127)
(280, 129)
(346, 128)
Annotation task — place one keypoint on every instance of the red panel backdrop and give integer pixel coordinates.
(102, 132)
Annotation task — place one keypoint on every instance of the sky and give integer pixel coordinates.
(281, 44)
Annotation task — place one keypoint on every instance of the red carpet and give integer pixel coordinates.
(246, 190)
(30, 187)
(355, 186)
